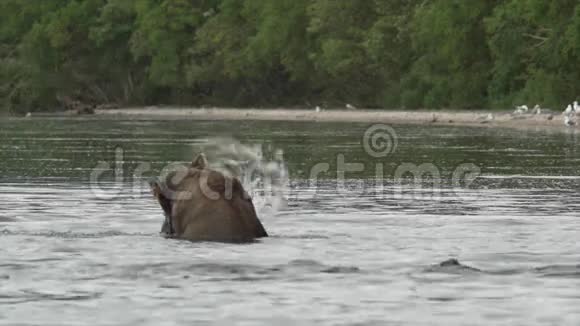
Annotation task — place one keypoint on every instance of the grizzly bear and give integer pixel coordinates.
(201, 204)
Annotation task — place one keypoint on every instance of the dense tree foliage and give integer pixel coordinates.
(373, 53)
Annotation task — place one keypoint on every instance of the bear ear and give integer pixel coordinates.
(155, 188)
(200, 162)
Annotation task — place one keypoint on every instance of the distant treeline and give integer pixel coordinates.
(464, 54)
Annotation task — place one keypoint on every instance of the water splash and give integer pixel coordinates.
(261, 169)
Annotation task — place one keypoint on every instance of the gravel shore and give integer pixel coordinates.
(460, 118)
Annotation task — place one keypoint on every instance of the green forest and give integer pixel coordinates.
(383, 54)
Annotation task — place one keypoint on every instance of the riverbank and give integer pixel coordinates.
(460, 118)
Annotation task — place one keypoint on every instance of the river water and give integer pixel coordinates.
(355, 238)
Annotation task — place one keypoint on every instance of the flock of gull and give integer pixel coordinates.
(569, 115)
(347, 106)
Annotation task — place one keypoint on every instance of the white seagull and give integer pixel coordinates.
(487, 119)
(537, 109)
(317, 109)
(350, 106)
(568, 110)
(569, 122)
(576, 107)
(521, 109)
